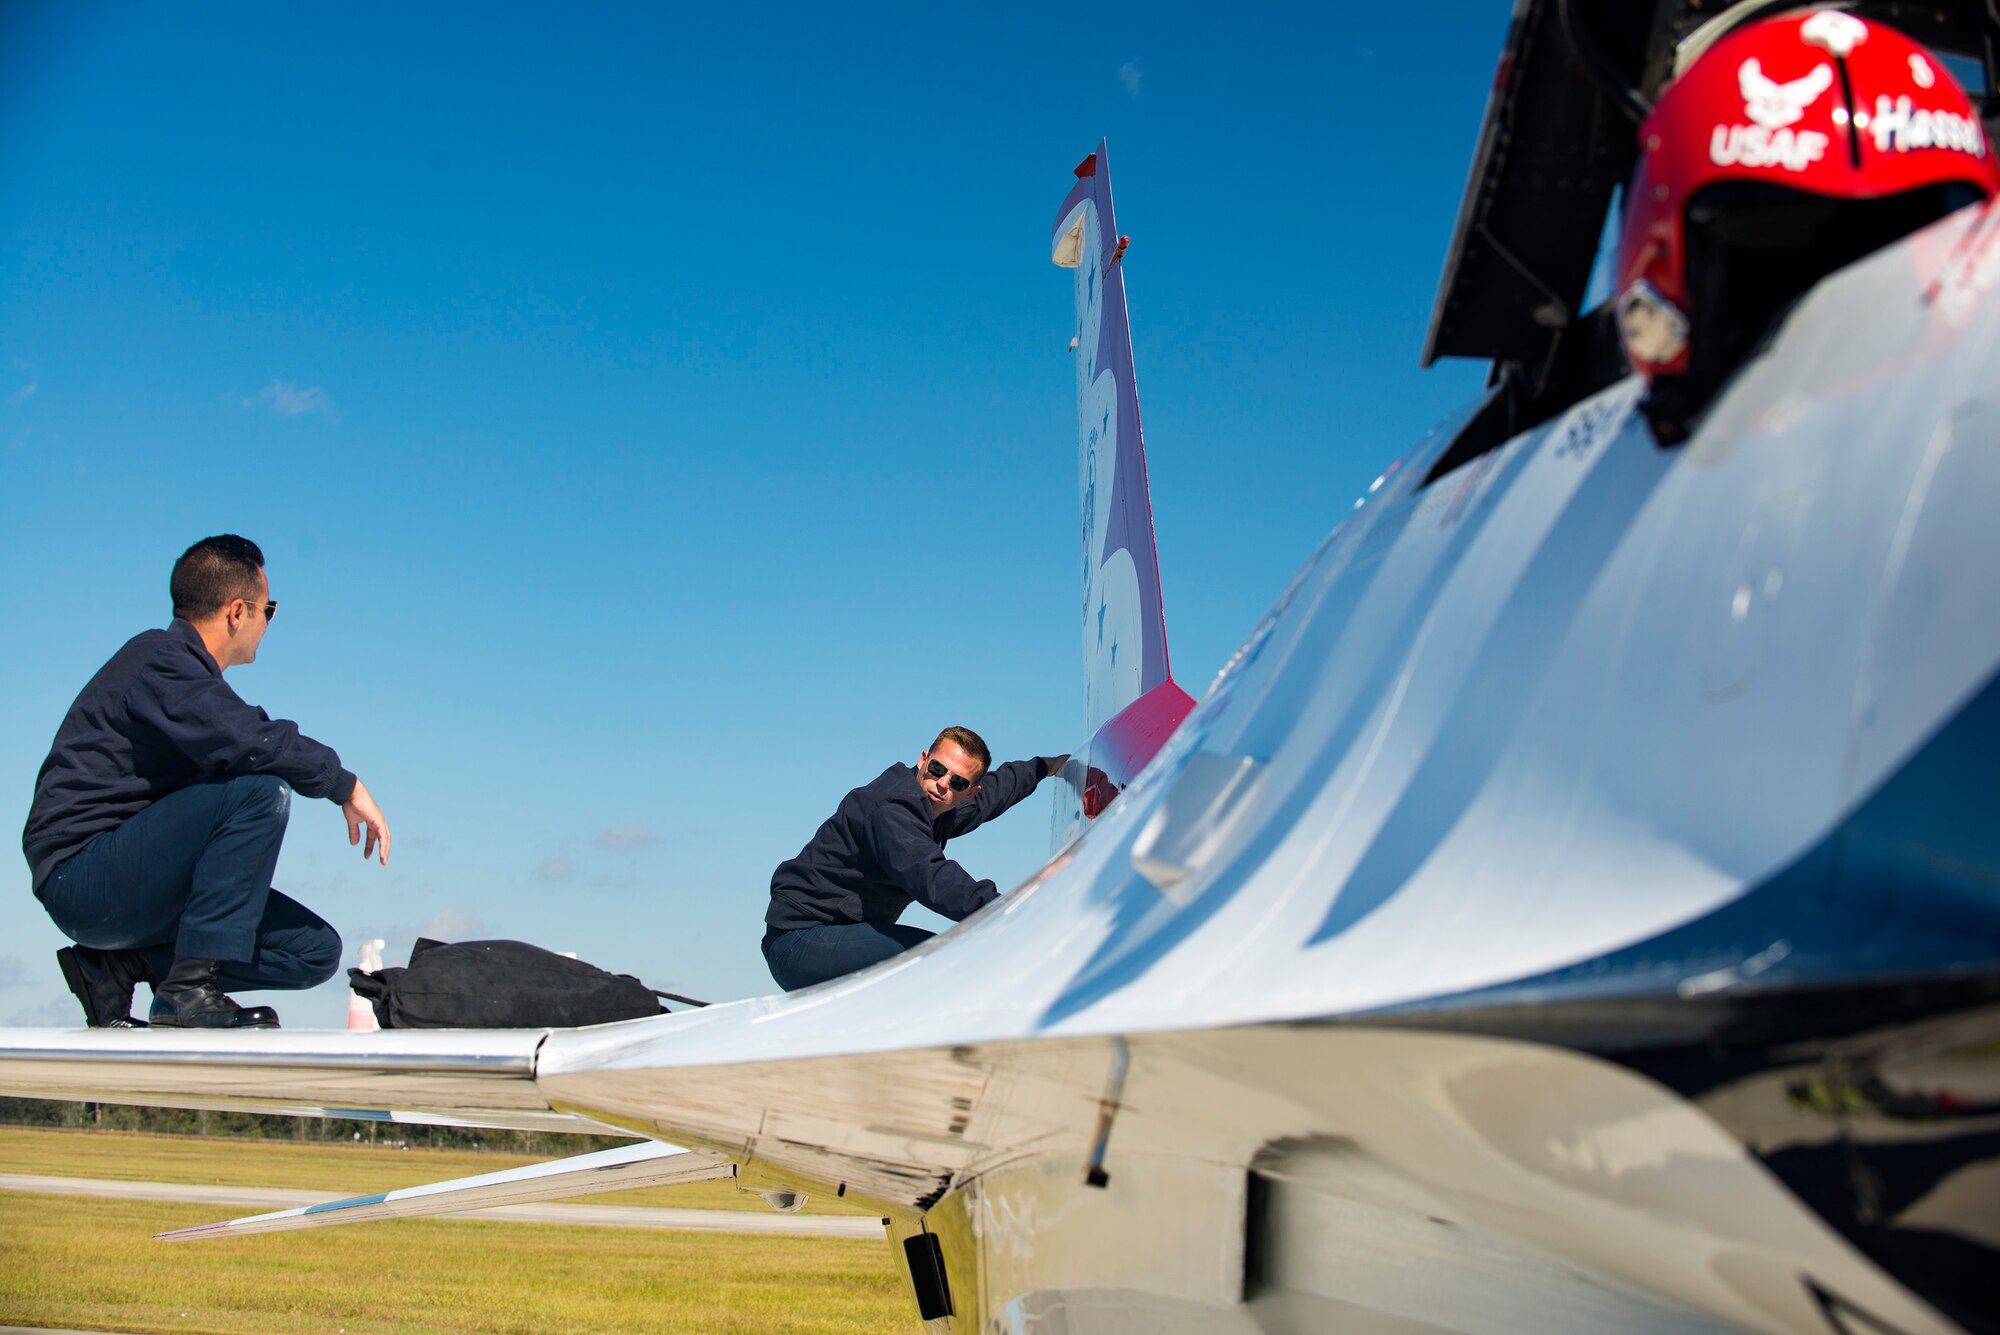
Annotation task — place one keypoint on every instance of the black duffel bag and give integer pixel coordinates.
(501, 985)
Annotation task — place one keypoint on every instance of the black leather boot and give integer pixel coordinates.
(103, 981)
(187, 998)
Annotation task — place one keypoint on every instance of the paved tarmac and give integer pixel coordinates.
(610, 1216)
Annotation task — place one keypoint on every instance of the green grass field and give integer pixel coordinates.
(92, 1264)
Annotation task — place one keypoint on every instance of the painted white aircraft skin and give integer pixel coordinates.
(1570, 696)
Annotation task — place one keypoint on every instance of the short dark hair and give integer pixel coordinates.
(967, 741)
(213, 573)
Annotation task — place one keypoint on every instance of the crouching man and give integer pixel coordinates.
(834, 906)
(159, 813)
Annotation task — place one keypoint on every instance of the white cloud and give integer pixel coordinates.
(1129, 75)
(453, 925)
(446, 925)
(12, 970)
(555, 869)
(287, 400)
(627, 836)
(24, 393)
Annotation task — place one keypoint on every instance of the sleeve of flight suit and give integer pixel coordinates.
(195, 711)
(999, 788)
(902, 846)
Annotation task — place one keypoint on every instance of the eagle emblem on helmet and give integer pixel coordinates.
(1775, 105)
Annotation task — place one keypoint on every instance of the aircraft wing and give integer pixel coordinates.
(482, 1078)
(622, 1169)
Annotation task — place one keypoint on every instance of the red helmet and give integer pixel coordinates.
(1790, 148)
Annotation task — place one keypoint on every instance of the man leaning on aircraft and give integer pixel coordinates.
(834, 906)
(159, 813)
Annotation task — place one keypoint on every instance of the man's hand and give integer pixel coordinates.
(1054, 764)
(360, 810)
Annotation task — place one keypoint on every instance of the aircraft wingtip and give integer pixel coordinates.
(188, 1234)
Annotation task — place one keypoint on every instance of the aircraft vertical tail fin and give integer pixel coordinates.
(1130, 701)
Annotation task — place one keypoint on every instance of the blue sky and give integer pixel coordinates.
(658, 420)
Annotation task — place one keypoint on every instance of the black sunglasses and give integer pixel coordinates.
(270, 608)
(959, 783)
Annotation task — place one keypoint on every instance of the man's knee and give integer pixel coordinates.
(262, 795)
(319, 956)
(813, 955)
(296, 948)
